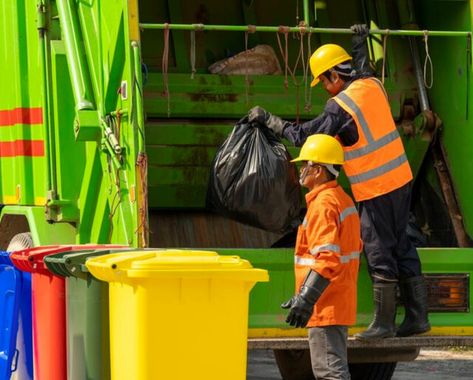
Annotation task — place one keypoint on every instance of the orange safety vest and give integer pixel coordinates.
(377, 163)
(328, 242)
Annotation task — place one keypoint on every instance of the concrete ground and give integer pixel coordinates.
(437, 365)
(430, 365)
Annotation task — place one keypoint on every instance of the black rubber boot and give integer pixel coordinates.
(414, 297)
(383, 325)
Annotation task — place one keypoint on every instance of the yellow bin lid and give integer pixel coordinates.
(172, 263)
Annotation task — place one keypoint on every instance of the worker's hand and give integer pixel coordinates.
(300, 311)
(288, 303)
(275, 123)
(360, 30)
(258, 114)
(302, 305)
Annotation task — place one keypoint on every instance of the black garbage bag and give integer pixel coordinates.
(252, 180)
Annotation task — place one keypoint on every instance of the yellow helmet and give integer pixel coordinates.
(324, 58)
(321, 149)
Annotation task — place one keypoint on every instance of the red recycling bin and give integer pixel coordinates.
(48, 309)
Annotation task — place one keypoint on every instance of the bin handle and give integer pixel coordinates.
(112, 266)
(14, 363)
(118, 261)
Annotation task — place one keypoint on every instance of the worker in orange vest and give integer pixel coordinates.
(358, 113)
(326, 261)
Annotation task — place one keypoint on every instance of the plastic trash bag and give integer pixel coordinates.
(252, 180)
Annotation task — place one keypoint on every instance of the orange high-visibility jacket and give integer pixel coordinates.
(377, 163)
(328, 242)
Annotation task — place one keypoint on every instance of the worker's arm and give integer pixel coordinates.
(302, 304)
(359, 51)
(322, 233)
(332, 121)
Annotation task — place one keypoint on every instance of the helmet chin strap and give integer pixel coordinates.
(332, 170)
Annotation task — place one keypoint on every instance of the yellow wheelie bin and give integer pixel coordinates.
(177, 314)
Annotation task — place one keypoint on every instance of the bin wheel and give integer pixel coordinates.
(295, 365)
(20, 241)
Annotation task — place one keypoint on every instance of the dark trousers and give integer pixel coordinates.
(389, 252)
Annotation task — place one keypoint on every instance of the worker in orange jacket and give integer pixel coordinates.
(377, 168)
(327, 255)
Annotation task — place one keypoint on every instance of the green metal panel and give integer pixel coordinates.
(70, 155)
(213, 96)
(451, 92)
(109, 213)
(22, 139)
(265, 298)
(61, 58)
(42, 232)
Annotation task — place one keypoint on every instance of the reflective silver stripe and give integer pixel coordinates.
(325, 247)
(375, 145)
(345, 259)
(380, 170)
(351, 256)
(303, 260)
(380, 85)
(364, 125)
(384, 279)
(346, 212)
(304, 222)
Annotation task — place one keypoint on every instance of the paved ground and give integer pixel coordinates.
(430, 365)
(261, 366)
(437, 365)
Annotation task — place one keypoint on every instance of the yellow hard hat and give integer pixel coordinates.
(324, 58)
(321, 149)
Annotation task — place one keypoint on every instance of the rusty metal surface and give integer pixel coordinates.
(204, 230)
(417, 341)
(448, 191)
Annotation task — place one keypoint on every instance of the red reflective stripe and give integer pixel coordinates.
(30, 148)
(21, 116)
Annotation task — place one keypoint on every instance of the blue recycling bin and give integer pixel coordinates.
(15, 310)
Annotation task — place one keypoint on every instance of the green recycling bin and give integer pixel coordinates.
(87, 315)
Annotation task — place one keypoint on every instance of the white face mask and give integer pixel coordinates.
(304, 173)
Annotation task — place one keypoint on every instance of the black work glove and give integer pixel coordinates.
(359, 50)
(288, 303)
(260, 115)
(302, 305)
(360, 30)
(300, 311)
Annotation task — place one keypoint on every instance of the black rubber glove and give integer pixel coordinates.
(360, 30)
(302, 305)
(359, 50)
(288, 303)
(260, 115)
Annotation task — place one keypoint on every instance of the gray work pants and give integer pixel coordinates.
(328, 352)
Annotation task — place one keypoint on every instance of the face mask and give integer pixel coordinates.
(304, 174)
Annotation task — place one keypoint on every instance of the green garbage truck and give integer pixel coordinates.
(111, 113)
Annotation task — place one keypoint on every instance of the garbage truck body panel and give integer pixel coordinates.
(110, 119)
